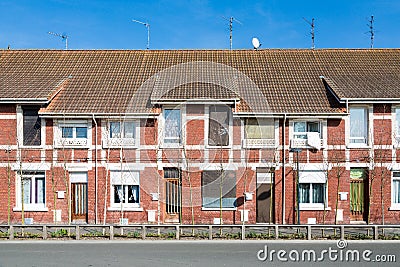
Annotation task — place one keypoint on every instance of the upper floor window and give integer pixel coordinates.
(218, 126)
(397, 127)
(172, 126)
(259, 133)
(358, 125)
(307, 134)
(122, 129)
(72, 134)
(31, 126)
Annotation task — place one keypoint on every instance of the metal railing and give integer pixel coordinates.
(197, 232)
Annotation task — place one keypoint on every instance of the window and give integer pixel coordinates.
(259, 129)
(172, 126)
(125, 189)
(218, 189)
(218, 126)
(31, 190)
(358, 125)
(72, 134)
(397, 127)
(312, 189)
(31, 126)
(311, 193)
(396, 189)
(302, 128)
(307, 134)
(122, 129)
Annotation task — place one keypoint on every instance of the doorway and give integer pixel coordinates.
(359, 194)
(265, 196)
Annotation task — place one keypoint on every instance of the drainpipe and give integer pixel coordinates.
(283, 171)
(95, 169)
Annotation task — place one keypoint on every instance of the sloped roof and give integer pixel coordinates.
(266, 81)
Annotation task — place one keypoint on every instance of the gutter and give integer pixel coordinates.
(95, 171)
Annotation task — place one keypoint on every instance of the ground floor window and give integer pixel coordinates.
(311, 193)
(312, 189)
(125, 190)
(31, 190)
(396, 189)
(218, 189)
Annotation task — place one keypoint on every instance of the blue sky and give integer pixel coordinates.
(180, 24)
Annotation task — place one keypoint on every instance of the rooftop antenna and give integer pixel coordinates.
(147, 25)
(63, 36)
(312, 24)
(371, 31)
(231, 20)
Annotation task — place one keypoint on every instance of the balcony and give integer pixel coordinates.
(119, 142)
(258, 143)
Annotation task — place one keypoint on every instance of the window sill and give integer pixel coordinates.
(366, 146)
(29, 209)
(313, 207)
(125, 209)
(394, 207)
(218, 209)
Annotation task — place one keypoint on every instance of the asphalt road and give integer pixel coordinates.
(199, 253)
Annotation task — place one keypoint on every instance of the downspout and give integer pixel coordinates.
(95, 169)
(283, 170)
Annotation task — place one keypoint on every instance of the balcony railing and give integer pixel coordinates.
(119, 142)
(303, 143)
(258, 143)
(71, 142)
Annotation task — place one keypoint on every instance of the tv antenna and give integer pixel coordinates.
(231, 20)
(63, 36)
(371, 31)
(312, 24)
(147, 25)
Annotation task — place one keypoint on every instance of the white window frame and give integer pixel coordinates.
(367, 128)
(178, 139)
(32, 175)
(260, 142)
(20, 130)
(73, 141)
(124, 178)
(394, 206)
(296, 142)
(121, 141)
(314, 177)
(396, 127)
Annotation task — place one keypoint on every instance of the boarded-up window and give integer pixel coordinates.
(31, 126)
(218, 185)
(218, 130)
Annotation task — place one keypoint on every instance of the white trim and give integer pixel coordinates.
(313, 206)
(217, 209)
(8, 117)
(78, 177)
(125, 208)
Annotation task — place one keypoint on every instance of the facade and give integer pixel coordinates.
(200, 136)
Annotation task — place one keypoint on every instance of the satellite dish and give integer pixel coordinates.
(255, 42)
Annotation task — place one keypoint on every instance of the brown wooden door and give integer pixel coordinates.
(79, 201)
(265, 205)
(359, 195)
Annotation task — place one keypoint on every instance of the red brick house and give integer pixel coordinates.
(196, 136)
